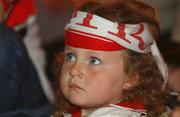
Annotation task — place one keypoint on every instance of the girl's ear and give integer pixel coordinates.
(131, 82)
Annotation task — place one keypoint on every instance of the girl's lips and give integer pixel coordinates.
(74, 86)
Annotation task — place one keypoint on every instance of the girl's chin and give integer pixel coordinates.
(77, 102)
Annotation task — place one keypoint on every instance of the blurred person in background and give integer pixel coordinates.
(21, 16)
(21, 88)
(20, 91)
(170, 51)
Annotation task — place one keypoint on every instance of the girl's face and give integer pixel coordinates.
(92, 79)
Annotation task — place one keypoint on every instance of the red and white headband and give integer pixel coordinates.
(86, 30)
(89, 31)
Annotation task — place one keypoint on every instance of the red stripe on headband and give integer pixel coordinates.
(88, 41)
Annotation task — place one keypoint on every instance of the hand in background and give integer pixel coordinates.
(175, 112)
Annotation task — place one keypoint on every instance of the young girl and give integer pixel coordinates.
(111, 66)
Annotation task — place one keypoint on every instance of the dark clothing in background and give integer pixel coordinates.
(20, 92)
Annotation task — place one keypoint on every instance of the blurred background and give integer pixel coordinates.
(40, 23)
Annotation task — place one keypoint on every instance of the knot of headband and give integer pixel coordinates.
(89, 31)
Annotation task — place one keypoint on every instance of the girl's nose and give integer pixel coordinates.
(77, 70)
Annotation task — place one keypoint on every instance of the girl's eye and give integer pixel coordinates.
(95, 61)
(70, 57)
